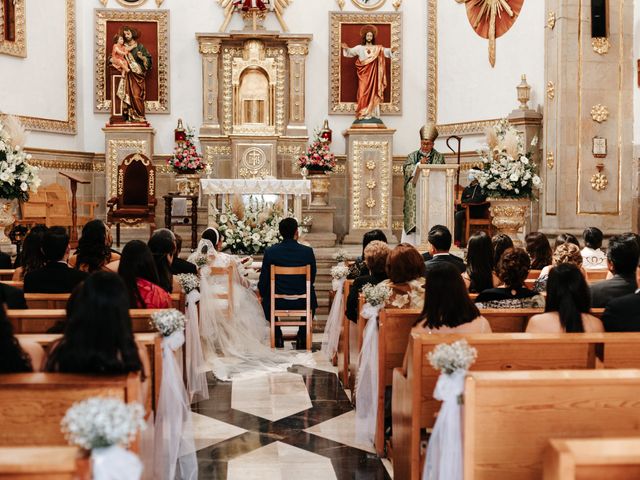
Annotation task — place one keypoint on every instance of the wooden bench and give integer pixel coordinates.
(509, 417)
(39, 321)
(152, 343)
(516, 319)
(59, 300)
(7, 274)
(33, 404)
(44, 463)
(414, 407)
(592, 459)
(16, 284)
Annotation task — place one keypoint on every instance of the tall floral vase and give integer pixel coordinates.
(320, 184)
(6, 218)
(509, 215)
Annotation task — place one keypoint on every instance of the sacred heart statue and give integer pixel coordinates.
(491, 19)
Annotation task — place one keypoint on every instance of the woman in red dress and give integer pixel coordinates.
(138, 270)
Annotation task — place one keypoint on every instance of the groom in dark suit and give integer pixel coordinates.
(288, 253)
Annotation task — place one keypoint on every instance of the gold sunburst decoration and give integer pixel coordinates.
(275, 6)
(491, 19)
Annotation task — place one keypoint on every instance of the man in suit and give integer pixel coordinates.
(622, 258)
(180, 265)
(288, 253)
(439, 245)
(56, 276)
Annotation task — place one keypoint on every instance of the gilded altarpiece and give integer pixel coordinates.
(253, 98)
(369, 154)
(588, 99)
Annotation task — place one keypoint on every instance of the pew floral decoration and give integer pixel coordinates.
(106, 426)
(332, 327)
(376, 295)
(341, 256)
(444, 452)
(339, 272)
(167, 322)
(188, 282)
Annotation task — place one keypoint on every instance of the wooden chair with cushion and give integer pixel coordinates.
(306, 313)
(135, 202)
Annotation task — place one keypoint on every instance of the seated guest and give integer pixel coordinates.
(12, 297)
(439, 239)
(140, 276)
(447, 306)
(622, 260)
(359, 268)
(94, 248)
(288, 253)
(500, 243)
(512, 271)
(539, 249)
(568, 303)
(564, 253)
(5, 261)
(31, 257)
(163, 248)
(472, 193)
(566, 238)
(593, 258)
(56, 276)
(375, 256)
(98, 337)
(479, 275)
(405, 272)
(622, 314)
(17, 356)
(180, 265)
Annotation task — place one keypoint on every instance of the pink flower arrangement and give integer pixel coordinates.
(185, 156)
(318, 157)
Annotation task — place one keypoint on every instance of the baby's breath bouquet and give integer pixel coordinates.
(189, 282)
(341, 256)
(102, 422)
(168, 321)
(339, 271)
(376, 295)
(200, 260)
(449, 358)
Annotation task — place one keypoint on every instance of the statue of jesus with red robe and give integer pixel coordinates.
(372, 74)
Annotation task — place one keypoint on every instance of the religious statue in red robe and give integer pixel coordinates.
(372, 74)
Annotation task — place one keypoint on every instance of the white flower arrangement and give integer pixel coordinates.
(17, 177)
(189, 282)
(341, 256)
(100, 422)
(449, 358)
(508, 170)
(168, 321)
(339, 272)
(201, 260)
(376, 295)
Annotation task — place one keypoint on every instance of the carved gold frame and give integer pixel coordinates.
(463, 128)
(68, 126)
(336, 19)
(161, 17)
(17, 48)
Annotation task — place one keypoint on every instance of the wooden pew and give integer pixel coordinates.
(39, 321)
(59, 300)
(152, 343)
(7, 274)
(343, 344)
(592, 459)
(594, 276)
(509, 417)
(44, 463)
(33, 404)
(414, 407)
(516, 319)
(17, 284)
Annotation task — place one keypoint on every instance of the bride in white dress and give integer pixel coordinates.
(237, 344)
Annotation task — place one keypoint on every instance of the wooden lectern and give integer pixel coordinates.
(435, 196)
(74, 181)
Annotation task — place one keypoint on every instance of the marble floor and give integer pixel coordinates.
(286, 425)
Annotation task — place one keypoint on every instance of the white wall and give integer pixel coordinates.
(469, 88)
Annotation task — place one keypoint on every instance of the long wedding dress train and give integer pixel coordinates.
(237, 346)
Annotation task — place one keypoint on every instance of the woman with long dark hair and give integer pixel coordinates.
(17, 356)
(138, 271)
(163, 247)
(539, 250)
(94, 248)
(98, 337)
(479, 275)
(500, 243)
(447, 306)
(31, 256)
(568, 304)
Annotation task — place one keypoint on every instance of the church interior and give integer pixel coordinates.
(428, 126)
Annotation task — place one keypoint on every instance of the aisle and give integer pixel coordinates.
(290, 425)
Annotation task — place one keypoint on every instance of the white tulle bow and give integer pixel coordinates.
(196, 367)
(332, 327)
(115, 463)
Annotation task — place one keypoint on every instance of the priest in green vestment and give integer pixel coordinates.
(426, 154)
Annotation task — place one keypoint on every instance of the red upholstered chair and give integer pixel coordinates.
(135, 202)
